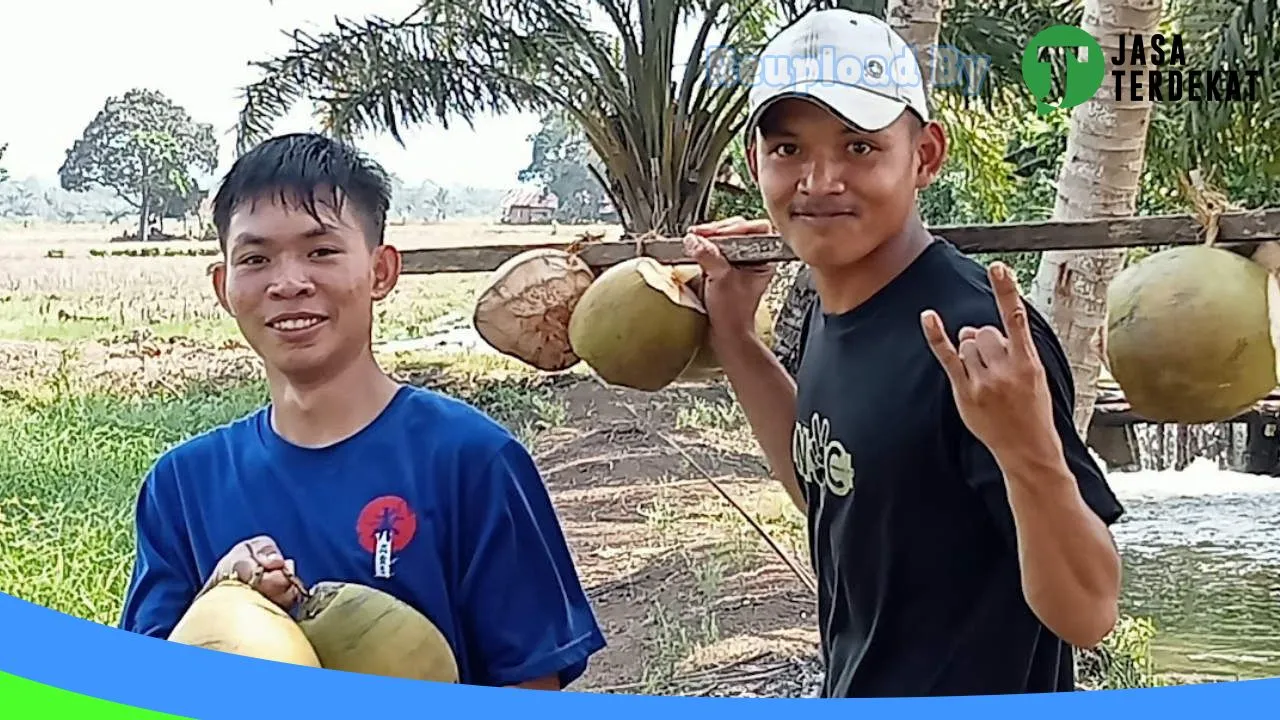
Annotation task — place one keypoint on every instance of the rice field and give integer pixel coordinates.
(66, 285)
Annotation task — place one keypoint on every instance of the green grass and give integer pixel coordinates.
(68, 478)
(72, 465)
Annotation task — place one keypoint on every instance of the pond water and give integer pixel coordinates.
(1201, 549)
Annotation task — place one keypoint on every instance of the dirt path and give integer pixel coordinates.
(692, 599)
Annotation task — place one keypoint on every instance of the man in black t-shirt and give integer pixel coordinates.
(958, 526)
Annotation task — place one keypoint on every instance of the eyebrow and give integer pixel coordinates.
(250, 239)
(783, 132)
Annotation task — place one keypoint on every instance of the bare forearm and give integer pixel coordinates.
(767, 395)
(1070, 566)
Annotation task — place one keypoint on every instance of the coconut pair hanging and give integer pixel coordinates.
(640, 324)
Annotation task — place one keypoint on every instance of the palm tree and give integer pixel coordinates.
(1241, 140)
(918, 22)
(659, 123)
(1100, 177)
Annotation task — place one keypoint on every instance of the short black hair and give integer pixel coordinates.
(299, 167)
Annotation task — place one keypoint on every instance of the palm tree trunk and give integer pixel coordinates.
(1100, 178)
(917, 21)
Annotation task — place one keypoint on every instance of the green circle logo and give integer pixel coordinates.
(1082, 78)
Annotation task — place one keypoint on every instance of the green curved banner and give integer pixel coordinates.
(21, 699)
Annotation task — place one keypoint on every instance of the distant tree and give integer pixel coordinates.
(4, 174)
(20, 199)
(180, 207)
(145, 148)
(745, 203)
(440, 203)
(562, 161)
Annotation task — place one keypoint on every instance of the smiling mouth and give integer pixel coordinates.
(294, 324)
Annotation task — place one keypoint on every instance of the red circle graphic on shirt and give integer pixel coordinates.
(388, 513)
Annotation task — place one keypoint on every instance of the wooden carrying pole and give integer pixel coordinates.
(1234, 228)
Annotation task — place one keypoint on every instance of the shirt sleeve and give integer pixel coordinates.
(983, 474)
(523, 610)
(162, 584)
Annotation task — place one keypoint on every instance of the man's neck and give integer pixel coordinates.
(845, 288)
(317, 414)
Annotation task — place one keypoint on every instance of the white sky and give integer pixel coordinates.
(61, 59)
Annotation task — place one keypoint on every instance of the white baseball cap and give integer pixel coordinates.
(852, 63)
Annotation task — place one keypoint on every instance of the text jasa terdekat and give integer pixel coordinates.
(1168, 78)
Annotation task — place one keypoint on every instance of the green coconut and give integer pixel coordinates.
(639, 324)
(360, 629)
(523, 310)
(1190, 337)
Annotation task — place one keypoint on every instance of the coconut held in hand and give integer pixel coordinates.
(233, 617)
(524, 309)
(639, 324)
(341, 626)
(1189, 334)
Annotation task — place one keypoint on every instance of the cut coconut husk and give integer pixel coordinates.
(233, 617)
(360, 629)
(524, 309)
(639, 324)
(1191, 334)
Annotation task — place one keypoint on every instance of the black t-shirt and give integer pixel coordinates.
(911, 533)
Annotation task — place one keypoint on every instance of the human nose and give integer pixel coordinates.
(823, 176)
(291, 280)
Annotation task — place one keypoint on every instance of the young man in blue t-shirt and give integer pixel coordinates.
(347, 474)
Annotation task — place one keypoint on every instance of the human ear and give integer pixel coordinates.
(387, 264)
(218, 275)
(753, 164)
(931, 153)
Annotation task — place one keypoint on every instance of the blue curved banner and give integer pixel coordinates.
(57, 651)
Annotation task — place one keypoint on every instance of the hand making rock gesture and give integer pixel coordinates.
(998, 381)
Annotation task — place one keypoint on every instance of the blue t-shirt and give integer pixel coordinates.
(433, 502)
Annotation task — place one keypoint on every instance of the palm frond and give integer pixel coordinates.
(449, 59)
(1239, 35)
(992, 36)
(658, 124)
(1236, 142)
